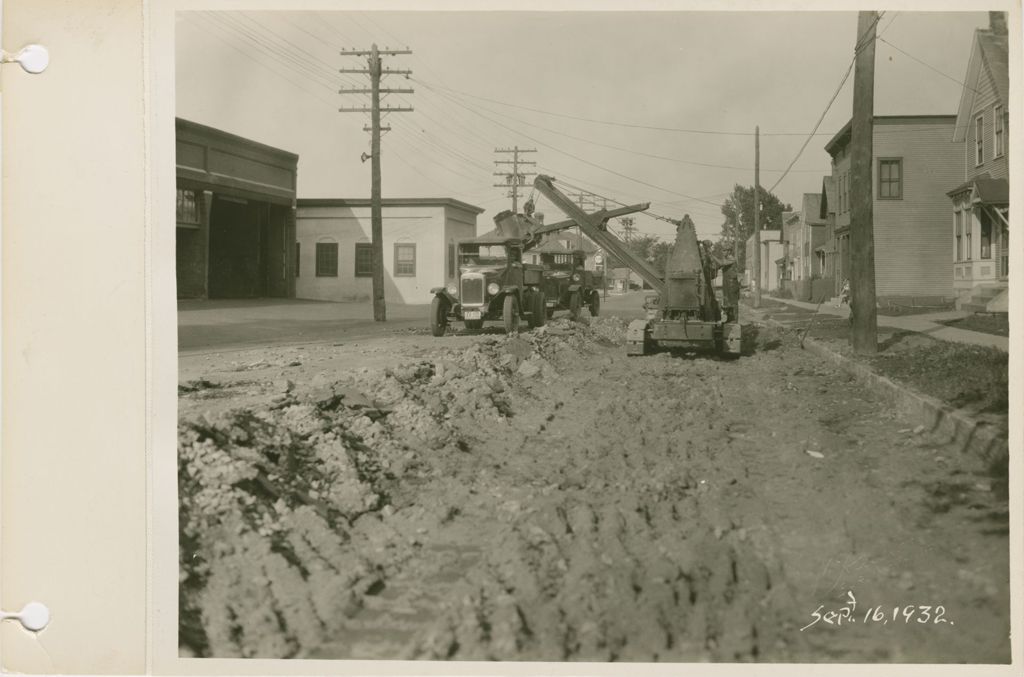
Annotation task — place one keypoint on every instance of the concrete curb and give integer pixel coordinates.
(975, 437)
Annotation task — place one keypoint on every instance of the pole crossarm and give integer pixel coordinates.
(370, 91)
(383, 109)
(372, 52)
(384, 71)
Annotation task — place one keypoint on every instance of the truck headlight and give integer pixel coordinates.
(575, 277)
(493, 288)
(453, 290)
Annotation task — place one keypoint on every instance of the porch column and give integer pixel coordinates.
(204, 238)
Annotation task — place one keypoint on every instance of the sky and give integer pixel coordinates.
(655, 107)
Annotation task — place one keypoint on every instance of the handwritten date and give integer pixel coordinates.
(923, 614)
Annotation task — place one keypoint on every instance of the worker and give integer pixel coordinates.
(844, 294)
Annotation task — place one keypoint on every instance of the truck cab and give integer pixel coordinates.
(493, 285)
(568, 285)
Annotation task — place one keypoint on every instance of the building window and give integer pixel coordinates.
(298, 258)
(968, 226)
(405, 260)
(979, 140)
(188, 206)
(958, 220)
(451, 259)
(364, 259)
(327, 259)
(986, 235)
(890, 178)
(998, 133)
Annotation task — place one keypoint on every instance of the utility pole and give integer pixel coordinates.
(863, 313)
(581, 198)
(375, 71)
(757, 217)
(627, 228)
(515, 179)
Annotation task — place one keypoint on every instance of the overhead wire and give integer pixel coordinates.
(626, 150)
(290, 79)
(862, 41)
(588, 162)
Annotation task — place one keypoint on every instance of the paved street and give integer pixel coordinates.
(545, 497)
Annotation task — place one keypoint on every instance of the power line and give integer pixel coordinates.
(627, 150)
(249, 56)
(929, 66)
(614, 123)
(857, 47)
(579, 159)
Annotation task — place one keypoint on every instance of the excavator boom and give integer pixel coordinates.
(593, 225)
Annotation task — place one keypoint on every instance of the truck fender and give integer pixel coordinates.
(574, 287)
(443, 292)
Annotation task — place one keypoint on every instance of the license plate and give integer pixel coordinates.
(472, 314)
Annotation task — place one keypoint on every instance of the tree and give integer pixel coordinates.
(738, 210)
(648, 247)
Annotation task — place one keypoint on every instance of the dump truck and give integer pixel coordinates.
(685, 313)
(568, 285)
(495, 284)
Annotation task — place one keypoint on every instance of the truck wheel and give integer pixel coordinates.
(474, 325)
(574, 305)
(540, 310)
(595, 303)
(510, 313)
(438, 316)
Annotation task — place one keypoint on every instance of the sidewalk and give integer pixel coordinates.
(924, 324)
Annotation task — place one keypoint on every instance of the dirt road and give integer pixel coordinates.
(544, 497)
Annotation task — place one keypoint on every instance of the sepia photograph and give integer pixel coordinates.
(593, 336)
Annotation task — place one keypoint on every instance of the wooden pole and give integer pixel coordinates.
(757, 217)
(376, 216)
(863, 313)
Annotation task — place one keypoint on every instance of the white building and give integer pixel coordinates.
(334, 258)
(771, 250)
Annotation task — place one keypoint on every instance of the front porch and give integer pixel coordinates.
(981, 244)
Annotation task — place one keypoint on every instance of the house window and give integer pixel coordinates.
(405, 260)
(187, 208)
(327, 259)
(979, 140)
(364, 259)
(998, 133)
(890, 178)
(968, 226)
(958, 220)
(298, 258)
(451, 259)
(986, 235)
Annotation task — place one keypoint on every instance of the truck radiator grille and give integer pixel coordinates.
(472, 290)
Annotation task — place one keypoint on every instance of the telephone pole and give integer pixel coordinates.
(375, 71)
(863, 313)
(757, 217)
(581, 198)
(515, 178)
(627, 228)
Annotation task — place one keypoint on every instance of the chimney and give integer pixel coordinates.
(997, 23)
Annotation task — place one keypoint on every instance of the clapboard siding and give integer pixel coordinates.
(985, 102)
(912, 234)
